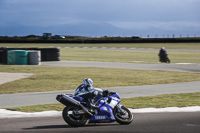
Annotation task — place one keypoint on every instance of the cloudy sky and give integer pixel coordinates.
(157, 18)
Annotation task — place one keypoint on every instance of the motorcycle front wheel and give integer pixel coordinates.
(123, 115)
(73, 119)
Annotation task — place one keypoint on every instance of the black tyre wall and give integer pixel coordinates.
(50, 54)
(47, 54)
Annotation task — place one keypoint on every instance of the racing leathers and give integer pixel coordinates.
(89, 94)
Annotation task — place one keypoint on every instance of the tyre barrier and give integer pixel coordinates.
(34, 57)
(45, 54)
(50, 54)
(3, 55)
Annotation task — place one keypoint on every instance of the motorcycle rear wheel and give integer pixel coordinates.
(72, 119)
(125, 118)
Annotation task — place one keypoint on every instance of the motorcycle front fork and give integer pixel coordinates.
(120, 110)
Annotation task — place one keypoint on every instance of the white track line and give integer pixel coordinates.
(16, 114)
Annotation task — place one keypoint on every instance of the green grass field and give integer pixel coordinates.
(160, 101)
(126, 56)
(68, 78)
(170, 100)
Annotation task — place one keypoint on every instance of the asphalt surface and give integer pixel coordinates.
(9, 77)
(143, 123)
(183, 67)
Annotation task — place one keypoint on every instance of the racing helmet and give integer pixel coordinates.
(163, 48)
(88, 81)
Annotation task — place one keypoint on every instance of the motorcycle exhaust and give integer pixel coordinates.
(73, 101)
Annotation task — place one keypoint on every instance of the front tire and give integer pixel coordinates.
(125, 117)
(73, 119)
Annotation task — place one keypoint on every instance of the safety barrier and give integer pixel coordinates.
(46, 54)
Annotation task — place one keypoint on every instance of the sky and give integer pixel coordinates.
(144, 18)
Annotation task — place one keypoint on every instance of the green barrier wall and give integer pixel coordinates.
(17, 57)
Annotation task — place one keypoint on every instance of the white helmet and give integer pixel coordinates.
(162, 48)
(88, 81)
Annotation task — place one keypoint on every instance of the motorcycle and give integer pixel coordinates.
(163, 56)
(164, 59)
(76, 113)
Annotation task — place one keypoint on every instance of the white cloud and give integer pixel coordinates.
(157, 24)
(127, 14)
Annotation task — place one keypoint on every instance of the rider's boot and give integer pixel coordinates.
(91, 105)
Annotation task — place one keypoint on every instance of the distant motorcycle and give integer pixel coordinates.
(165, 59)
(77, 114)
(163, 56)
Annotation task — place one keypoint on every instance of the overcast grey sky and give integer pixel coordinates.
(100, 17)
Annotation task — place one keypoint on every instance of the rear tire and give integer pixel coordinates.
(168, 60)
(125, 118)
(73, 119)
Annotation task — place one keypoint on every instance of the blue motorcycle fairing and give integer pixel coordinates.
(105, 109)
(79, 99)
(106, 113)
(116, 95)
(106, 101)
(98, 97)
(99, 118)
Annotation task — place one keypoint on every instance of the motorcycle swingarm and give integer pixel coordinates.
(79, 112)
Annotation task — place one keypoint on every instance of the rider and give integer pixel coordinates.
(163, 55)
(88, 92)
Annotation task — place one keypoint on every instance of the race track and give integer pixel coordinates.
(182, 67)
(143, 123)
(179, 122)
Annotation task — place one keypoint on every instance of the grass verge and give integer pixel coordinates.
(68, 78)
(160, 101)
(126, 56)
